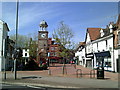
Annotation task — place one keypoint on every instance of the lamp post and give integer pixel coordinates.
(15, 71)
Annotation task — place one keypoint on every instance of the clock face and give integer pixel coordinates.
(43, 35)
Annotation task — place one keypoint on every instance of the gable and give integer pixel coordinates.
(94, 33)
(87, 38)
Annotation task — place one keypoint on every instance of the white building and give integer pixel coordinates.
(92, 34)
(25, 54)
(119, 51)
(118, 43)
(80, 53)
(3, 36)
(100, 48)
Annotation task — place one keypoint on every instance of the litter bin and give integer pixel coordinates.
(100, 73)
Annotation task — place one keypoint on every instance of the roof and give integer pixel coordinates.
(94, 33)
(82, 43)
(118, 21)
(43, 24)
(4, 23)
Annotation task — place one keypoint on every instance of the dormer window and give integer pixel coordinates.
(101, 33)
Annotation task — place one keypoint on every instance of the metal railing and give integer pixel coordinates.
(64, 70)
(79, 72)
(92, 74)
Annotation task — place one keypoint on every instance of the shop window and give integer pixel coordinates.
(107, 64)
(52, 54)
(52, 48)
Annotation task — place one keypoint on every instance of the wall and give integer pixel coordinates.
(81, 56)
(106, 44)
(3, 36)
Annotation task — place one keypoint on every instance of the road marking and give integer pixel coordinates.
(35, 87)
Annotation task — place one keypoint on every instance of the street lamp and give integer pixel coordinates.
(15, 71)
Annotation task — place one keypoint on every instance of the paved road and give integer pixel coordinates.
(63, 82)
(26, 87)
(29, 87)
(41, 78)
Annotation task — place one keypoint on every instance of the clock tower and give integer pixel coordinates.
(42, 42)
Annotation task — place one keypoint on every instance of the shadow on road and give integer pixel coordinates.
(30, 77)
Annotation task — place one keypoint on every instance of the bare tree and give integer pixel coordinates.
(63, 36)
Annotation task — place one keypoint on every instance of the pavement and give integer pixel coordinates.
(54, 77)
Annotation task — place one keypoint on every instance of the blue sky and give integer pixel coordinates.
(77, 15)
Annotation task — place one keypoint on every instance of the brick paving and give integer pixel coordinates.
(57, 70)
(70, 71)
(41, 77)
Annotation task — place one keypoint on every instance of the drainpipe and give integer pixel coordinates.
(113, 55)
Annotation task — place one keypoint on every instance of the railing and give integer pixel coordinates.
(75, 66)
(64, 70)
(92, 73)
(79, 70)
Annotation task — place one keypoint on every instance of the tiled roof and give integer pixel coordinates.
(82, 43)
(118, 21)
(94, 33)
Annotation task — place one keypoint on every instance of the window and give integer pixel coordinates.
(97, 46)
(52, 48)
(55, 54)
(106, 44)
(107, 64)
(119, 38)
(55, 48)
(52, 54)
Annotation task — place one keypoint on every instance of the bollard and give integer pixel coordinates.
(49, 72)
(92, 73)
(64, 71)
(75, 66)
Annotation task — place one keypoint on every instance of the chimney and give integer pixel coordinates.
(111, 27)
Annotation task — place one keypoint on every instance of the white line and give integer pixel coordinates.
(34, 87)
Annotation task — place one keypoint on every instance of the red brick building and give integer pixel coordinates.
(53, 50)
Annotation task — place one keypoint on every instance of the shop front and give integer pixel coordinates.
(103, 59)
(89, 60)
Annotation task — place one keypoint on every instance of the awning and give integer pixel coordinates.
(103, 54)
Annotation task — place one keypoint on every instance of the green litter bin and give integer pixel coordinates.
(100, 73)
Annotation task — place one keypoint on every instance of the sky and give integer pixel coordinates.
(77, 15)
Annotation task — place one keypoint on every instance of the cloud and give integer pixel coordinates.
(30, 14)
